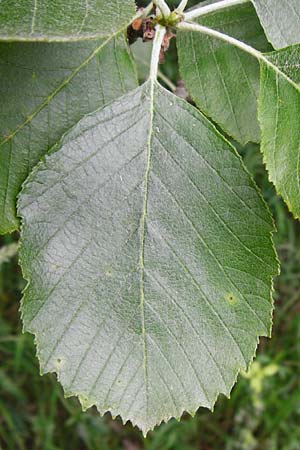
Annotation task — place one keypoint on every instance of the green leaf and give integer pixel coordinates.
(61, 20)
(149, 257)
(281, 21)
(141, 53)
(45, 89)
(223, 80)
(279, 112)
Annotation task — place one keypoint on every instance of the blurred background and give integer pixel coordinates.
(262, 414)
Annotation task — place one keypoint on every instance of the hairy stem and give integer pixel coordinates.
(159, 36)
(186, 26)
(181, 7)
(164, 8)
(204, 10)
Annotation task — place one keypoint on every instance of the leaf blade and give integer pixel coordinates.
(279, 108)
(63, 21)
(194, 289)
(223, 80)
(281, 21)
(46, 89)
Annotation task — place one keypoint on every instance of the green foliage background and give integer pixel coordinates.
(262, 414)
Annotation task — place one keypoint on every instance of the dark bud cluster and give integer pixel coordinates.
(141, 28)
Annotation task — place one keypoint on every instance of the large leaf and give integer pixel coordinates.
(281, 21)
(279, 113)
(45, 89)
(221, 79)
(61, 20)
(149, 257)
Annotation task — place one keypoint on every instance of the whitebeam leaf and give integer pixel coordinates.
(149, 257)
(279, 112)
(221, 79)
(281, 21)
(61, 20)
(45, 89)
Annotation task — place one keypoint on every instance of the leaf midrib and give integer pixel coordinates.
(142, 240)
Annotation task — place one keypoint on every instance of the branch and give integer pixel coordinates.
(167, 81)
(204, 10)
(181, 7)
